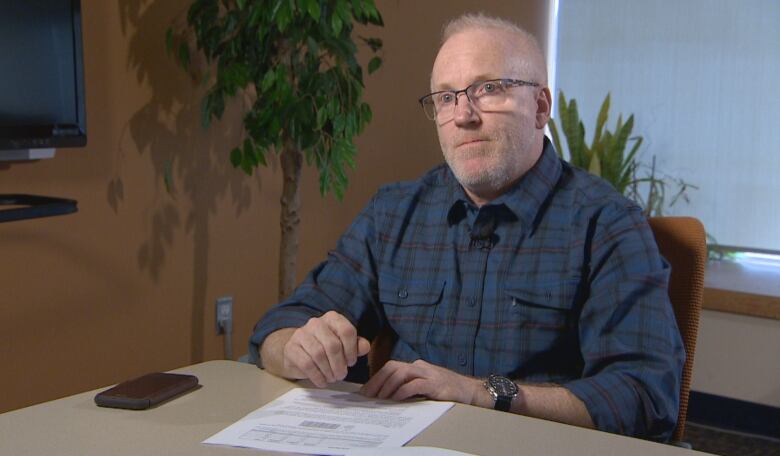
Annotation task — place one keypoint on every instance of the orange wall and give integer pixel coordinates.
(127, 285)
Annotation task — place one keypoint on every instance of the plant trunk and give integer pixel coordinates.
(290, 219)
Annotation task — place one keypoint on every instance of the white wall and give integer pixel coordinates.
(739, 357)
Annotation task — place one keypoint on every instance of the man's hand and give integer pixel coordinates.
(398, 381)
(322, 350)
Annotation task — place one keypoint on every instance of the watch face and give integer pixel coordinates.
(502, 385)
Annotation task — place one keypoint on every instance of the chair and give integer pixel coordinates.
(682, 241)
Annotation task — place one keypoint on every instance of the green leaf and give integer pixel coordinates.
(338, 125)
(350, 127)
(595, 165)
(374, 43)
(283, 16)
(332, 108)
(168, 175)
(570, 124)
(336, 24)
(260, 152)
(343, 11)
(365, 113)
(235, 157)
(322, 117)
(184, 55)
(246, 166)
(601, 120)
(313, 8)
(249, 151)
(374, 64)
(256, 12)
(241, 4)
(234, 77)
(575, 133)
(268, 80)
(169, 40)
(373, 14)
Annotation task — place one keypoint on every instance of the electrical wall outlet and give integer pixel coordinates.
(224, 314)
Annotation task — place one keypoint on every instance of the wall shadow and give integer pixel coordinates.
(167, 130)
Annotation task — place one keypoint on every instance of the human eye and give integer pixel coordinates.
(488, 88)
(445, 98)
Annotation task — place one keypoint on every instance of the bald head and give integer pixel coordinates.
(523, 55)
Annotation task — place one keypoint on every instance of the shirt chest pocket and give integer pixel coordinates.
(542, 313)
(409, 306)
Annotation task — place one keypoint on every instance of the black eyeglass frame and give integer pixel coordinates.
(506, 81)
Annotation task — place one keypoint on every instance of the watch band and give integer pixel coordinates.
(503, 403)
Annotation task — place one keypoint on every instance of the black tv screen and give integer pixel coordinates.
(41, 75)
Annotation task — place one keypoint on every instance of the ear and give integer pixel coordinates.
(543, 107)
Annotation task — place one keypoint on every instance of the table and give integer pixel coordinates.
(76, 426)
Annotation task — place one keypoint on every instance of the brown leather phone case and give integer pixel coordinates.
(146, 391)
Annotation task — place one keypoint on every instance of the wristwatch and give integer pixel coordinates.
(502, 389)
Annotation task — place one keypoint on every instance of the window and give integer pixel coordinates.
(700, 77)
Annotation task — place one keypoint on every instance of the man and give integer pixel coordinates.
(505, 264)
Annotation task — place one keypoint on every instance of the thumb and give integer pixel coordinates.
(364, 346)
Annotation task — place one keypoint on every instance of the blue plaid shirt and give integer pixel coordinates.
(572, 292)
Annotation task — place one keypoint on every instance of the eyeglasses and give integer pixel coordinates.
(485, 95)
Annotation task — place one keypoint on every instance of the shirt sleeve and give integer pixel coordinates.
(632, 350)
(345, 282)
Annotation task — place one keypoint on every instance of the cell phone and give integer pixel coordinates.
(146, 391)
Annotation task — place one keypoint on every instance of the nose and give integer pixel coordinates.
(465, 113)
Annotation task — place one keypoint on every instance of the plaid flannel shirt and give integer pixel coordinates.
(573, 290)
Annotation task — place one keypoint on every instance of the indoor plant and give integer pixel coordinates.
(606, 157)
(295, 61)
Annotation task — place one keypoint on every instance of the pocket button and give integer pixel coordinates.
(403, 293)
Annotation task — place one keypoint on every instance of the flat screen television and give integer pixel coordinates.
(41, 76)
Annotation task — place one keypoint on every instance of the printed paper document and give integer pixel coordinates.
(316, 421)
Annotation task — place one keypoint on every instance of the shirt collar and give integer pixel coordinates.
(524, 199)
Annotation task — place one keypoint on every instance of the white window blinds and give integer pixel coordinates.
(702, 78)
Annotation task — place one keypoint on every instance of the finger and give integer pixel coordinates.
(312, 346)
(334, 350)
(372, 386)
(300, 359)
(346, 333)
(417, 386)
(363, 346)
(398, 378)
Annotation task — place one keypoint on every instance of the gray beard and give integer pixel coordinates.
(492, 179)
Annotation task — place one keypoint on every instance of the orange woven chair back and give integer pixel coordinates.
(682, 241)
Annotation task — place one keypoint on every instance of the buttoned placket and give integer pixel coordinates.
(474, 263)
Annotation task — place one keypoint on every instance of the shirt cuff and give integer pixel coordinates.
(266, 326)
(610, 401)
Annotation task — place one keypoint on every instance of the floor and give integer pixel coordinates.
(726, 443)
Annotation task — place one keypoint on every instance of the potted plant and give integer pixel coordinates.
(295, 60)
(606, 157)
